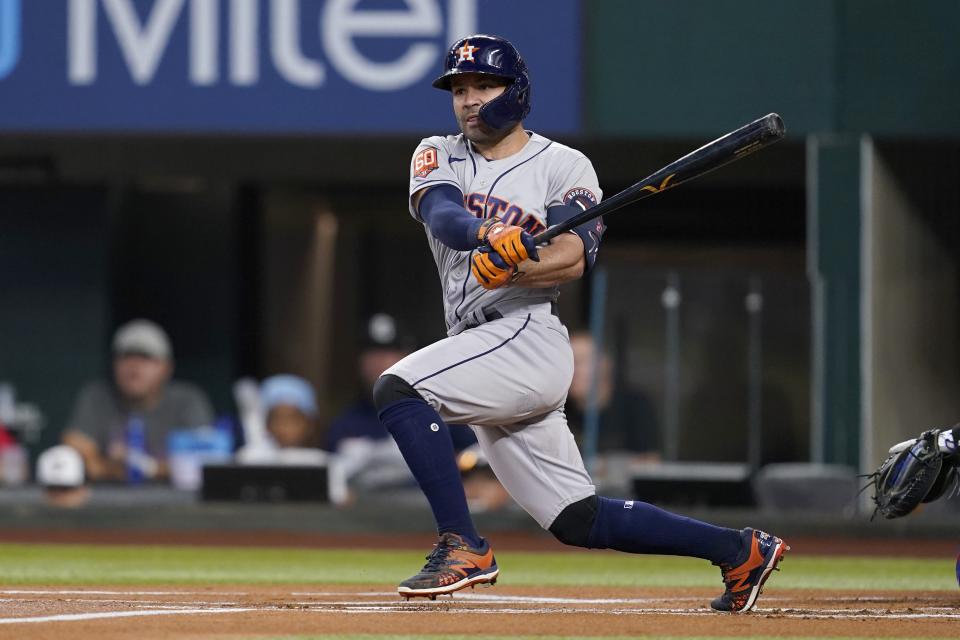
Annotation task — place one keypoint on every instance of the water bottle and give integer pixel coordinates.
(136, 449)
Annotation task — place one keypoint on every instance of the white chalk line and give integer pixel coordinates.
(321, 594)
(468, 603)
(91, 592)
(459, 596)
(451, 606)
(777, 613)
(462, 603)
(76, 617)
(160, 604)
(482, 597)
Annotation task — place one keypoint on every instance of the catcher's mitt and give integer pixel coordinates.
(919, 472)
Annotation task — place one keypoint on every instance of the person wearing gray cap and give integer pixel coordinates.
(142, 398)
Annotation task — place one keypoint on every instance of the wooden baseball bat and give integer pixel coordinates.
(713, 155)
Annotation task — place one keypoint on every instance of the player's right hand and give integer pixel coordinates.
(511, 243)
(490, 270)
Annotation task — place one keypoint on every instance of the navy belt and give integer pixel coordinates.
(491, 314)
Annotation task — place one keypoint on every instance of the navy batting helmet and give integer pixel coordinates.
(492, 56)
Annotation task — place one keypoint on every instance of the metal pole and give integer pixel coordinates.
(754, 306)
(591, 416)
(671, 300)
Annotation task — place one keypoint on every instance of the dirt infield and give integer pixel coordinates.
(244, 611)
(110, 613)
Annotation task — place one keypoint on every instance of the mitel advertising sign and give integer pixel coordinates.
(267, 66)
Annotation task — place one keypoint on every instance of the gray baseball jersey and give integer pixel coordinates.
(507, 373)
(519, 190)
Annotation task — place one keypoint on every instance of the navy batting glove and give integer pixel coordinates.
(495, 258)
(530, 245)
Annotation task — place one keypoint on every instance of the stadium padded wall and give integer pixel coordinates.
(698, 68)
(693, 68)
(54, 275)
(911, 291)
(898, 67)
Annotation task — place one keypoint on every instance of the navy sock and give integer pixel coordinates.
(425, 442)
(639, 527)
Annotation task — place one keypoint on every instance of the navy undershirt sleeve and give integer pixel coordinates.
(441, 209)
(590, 232)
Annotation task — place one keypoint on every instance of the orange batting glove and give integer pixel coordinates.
(490, 270)
(511, 243)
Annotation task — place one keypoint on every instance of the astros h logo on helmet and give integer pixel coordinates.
(466, 52)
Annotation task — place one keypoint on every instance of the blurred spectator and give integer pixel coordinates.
(370, 458)
(627, 417)
(382, 347)
(484, 492)
(60, 472)
(290, 411)
(120, 428)
(280, 422)
(13, 460)
(367, 453)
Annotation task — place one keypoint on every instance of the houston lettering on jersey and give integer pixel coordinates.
(499, 208)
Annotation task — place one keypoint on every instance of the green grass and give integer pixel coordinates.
(22, 564)
(474, 637)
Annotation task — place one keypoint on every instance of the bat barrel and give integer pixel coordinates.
(713, 155)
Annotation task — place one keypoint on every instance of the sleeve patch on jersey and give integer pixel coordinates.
(425, 162)
(580, 196)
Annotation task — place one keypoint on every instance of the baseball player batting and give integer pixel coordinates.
(506, 364)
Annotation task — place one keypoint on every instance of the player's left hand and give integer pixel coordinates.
(512, 244)
(490, 270)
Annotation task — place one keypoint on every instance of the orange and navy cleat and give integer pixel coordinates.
(744, 578)
(451, 566)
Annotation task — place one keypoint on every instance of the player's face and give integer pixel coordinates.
(470, 92)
